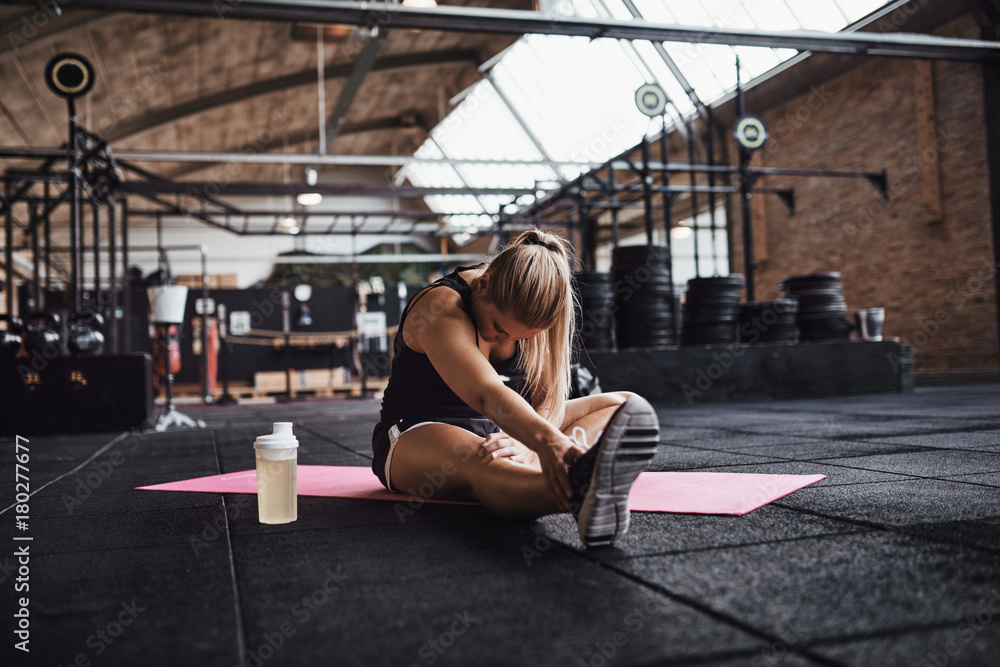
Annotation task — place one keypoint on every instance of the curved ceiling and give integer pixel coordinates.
(168, 83)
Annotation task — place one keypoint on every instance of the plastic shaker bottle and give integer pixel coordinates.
(277, 485)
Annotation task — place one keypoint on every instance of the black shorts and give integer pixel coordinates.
(386, 435)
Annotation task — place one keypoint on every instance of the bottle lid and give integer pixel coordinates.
(281, 438)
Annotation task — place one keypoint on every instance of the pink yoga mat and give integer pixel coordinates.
(681, 492)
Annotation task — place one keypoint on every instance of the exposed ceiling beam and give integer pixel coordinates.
(148, 188)
(363, 64)
(412, 214)
(403, 121)
(619, 163)
(314, 159)
(517, 22)
(378, 259)
(308, 77)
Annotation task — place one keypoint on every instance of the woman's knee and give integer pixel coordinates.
(623, 396)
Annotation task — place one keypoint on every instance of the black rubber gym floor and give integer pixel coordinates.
(894, 559)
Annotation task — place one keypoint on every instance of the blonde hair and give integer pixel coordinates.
(530, 281)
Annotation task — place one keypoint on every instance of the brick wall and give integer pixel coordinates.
(935, 279)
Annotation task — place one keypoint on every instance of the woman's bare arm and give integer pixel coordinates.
(439, 328)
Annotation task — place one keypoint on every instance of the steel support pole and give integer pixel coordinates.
(694, 201)
(668, 224)
(710, 143)
(9, 248)
(588, 244)
(46, 219)
(112, 276)
(647, 190)
(74, 209)
(987, 19)
(126, 284)
(614, 205)
(36, 286)
(96, 209)
(748, 257)
(204, 324)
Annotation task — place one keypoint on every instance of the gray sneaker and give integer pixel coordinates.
(602, 477)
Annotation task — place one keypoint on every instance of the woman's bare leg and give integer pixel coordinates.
(444, 460)
(446, 457)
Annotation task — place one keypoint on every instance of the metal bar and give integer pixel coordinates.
(518, 22)
(96, 209)
(588, 247)
(74, 203)
(335, 160)
(254, 213)
(32, 153)
(48, 241)
(9, 250)
(126, 283)
(694, 200)
(177, 210)
(745, 187)
(614, 209)
(31, 177)
(668, 226)
(291, 189)
(668, 201)
(206, 393)
(113, 274)
(647, 190)
(201, 195)
(160, 256)
(362, 66)
(710, 145)
(435, 258)
(27, 186)
(830, 173)
(35, 252)
(991, 98)
(321, 90)
(401, 161)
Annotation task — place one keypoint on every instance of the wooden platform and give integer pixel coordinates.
(245, 392)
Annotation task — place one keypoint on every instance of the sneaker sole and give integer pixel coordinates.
(628, 444)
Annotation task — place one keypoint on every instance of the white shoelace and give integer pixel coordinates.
(579, 436)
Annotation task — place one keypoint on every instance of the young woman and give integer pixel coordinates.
(449, 422)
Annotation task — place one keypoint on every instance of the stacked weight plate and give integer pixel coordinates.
(768, 321)
(711, 306)
(643, 289)
(596, 326)
(822, 310)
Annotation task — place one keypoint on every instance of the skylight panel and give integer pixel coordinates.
(575, 96)
(754, 61)
(858, 9)
(772, 15)
(818, 15)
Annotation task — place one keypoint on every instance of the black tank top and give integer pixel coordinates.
(415, 389)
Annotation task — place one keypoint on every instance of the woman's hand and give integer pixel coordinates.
(555, 460)
(497, 445)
